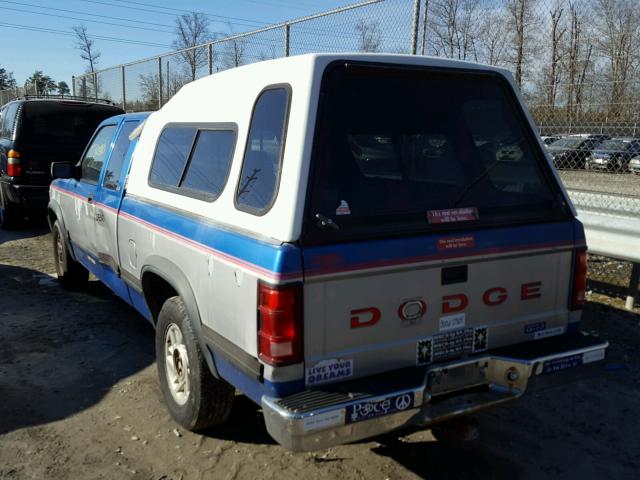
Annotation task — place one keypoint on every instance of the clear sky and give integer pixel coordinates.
(37, 34)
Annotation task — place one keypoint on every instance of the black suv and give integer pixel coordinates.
(33, 133)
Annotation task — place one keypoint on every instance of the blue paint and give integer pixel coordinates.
(368, 409)
(251, 387)
(140, 304)
(280, 259)
(534, 327)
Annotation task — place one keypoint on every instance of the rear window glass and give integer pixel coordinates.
(394, 146)
(8, 120)
(261, 166)
(60, 123)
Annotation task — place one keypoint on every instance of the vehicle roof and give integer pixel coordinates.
(125, 116)
(625, 139)
(63, 100)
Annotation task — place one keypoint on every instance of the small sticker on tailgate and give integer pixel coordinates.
(377, 408)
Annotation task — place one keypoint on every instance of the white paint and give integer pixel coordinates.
(549, 332)
(452, 322)
(324, 420)
(595, 356)
(328, 371)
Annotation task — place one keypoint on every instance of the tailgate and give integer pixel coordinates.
(371, 307)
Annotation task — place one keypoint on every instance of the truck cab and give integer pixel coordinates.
(341, 238)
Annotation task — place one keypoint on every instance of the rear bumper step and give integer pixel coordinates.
(317, 419)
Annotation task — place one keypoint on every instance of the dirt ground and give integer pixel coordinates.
(79, 399)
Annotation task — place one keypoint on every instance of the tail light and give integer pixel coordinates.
(280, 323)
(14, 168)
(579, 279)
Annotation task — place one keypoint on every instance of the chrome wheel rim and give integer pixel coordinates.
(177, 364)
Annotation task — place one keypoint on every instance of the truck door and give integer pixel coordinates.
(80, 224)
(107, 199)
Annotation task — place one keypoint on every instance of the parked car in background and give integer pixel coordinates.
(634, 165)
(571, 152)
(613, 154)
(548, 140)
(34, 132)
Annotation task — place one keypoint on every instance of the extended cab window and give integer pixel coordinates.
(395, 147)
(209, 163)
(96, 152)
(263, 154)
(193, 161)
(114, 167)
(171, 155)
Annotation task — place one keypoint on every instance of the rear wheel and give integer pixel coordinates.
(194, 397)
(71, 274)
(10, 216)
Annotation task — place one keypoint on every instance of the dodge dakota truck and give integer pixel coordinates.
(338, 237)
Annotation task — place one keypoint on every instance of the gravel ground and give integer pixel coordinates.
(80, 400)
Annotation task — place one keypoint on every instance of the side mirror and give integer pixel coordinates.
(62, 170)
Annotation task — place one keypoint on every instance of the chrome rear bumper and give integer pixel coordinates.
(313, 420)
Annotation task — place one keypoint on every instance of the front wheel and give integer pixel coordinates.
(71, 274)
(194, 397)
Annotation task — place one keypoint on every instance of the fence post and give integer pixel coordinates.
(416, 24)
(287, 39)
(159, 83)
(95, 85)
(84, 87)
(210, 57)
(633, 295)
(424, 26)
(123, 87)
(73, 85)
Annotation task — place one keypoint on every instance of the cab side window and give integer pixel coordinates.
(113, 171)
(260, 174)
(96, 153)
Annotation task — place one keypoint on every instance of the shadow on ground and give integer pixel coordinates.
(31, 228)
(62, 351)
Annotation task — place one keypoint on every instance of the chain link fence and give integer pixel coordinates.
(577, 63)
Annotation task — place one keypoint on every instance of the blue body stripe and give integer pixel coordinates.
(252, 388)
(282, 259)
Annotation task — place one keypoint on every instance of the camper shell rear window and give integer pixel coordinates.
(397, 149)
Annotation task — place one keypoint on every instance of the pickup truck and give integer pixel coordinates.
(339, 238)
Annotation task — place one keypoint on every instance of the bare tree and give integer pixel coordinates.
(523, 20)
(618, 41)
(192, 29)
(86, 47)
(456, 27)
(88, 53)
(494, 36)
(234, 52)
(578, 60)
(369, 35)
(553, 72)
